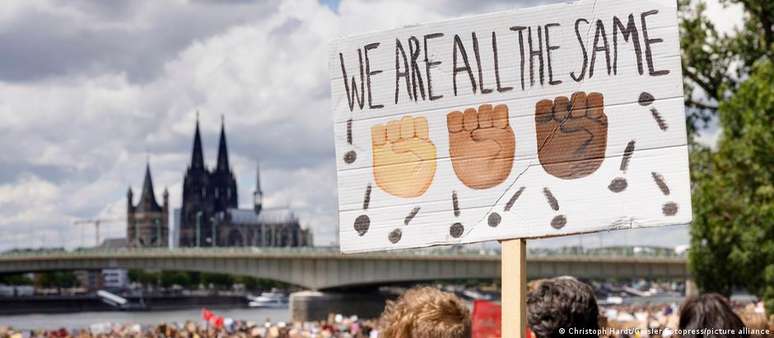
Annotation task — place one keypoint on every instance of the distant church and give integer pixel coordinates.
(210, 215)
(147, 223)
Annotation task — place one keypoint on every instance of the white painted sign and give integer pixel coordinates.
(539, 122)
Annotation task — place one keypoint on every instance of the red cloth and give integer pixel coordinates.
(217, 321)
(207, 314)
(212, 318)
(487, 320)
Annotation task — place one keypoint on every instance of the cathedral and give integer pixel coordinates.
(210, 214)
(147, 223)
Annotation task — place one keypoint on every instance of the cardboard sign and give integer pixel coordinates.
(540, 122)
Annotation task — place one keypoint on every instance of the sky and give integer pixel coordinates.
(92, 90)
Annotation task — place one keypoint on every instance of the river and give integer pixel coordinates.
(84, 319)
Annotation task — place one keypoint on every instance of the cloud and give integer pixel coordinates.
(92, 89)
(86, 130)
(66, 38)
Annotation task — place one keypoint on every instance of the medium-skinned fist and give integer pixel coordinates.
(481, 145)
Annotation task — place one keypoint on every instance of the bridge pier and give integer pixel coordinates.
(316, 305)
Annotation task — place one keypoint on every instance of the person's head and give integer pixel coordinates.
(561, 303)
(425, 312)
(755, 321)
(709, 311)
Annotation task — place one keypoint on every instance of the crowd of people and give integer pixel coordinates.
(350, 327)
(557, 307)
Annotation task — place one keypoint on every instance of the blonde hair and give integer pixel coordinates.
(425, 312)
(755, 321)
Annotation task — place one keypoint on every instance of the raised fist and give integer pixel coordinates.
(403, 156)
(571, 134)
(481, 145)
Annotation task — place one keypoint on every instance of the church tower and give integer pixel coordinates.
(257, 194)
(222, 180)
(197, 207)
(147, 222)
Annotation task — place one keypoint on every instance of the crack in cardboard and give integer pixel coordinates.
(496, 202)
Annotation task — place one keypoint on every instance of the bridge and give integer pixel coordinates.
(326, 268)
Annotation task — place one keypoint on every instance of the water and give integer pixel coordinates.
(84, 319)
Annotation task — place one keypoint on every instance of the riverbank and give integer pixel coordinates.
(84, 320)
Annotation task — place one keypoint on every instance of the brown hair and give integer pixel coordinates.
(710, 311)
(425, 312)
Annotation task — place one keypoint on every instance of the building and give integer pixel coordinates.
(114, 244)
(89, 279)
(115, 278)
(210, 215)
(93, 280)
(259, 226)
(147, 223)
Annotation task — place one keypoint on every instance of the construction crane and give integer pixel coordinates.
(96, 222)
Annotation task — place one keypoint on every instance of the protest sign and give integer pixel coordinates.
(529, 123)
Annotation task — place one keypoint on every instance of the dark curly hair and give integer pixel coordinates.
(562, 303)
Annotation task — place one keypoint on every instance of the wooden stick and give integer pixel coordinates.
(514, 288)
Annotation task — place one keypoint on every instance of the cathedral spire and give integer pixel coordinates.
(257, 194)
(197, 157)
(258, 177)
(148, 197)
(222, 149)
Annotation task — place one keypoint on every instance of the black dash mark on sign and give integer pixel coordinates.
(367, 198)
(456, 204)
(350, 156)
(513, 199)
(660, 182)
(619, 184)
(669, 209)
(559, 221)
(363, 222)
(456, 229)
(627, 155)
(646, 99)
(660, 120)
(551, 199)
(411, 215)
(349, 131)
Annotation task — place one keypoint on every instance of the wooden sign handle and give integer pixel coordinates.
(513, 265)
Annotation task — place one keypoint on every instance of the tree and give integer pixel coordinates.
(56, 279)
(217, 280)
(181, 278)
(731, 78)
(732, 234)
(715, 64)
(143, 277)
(15, 279)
